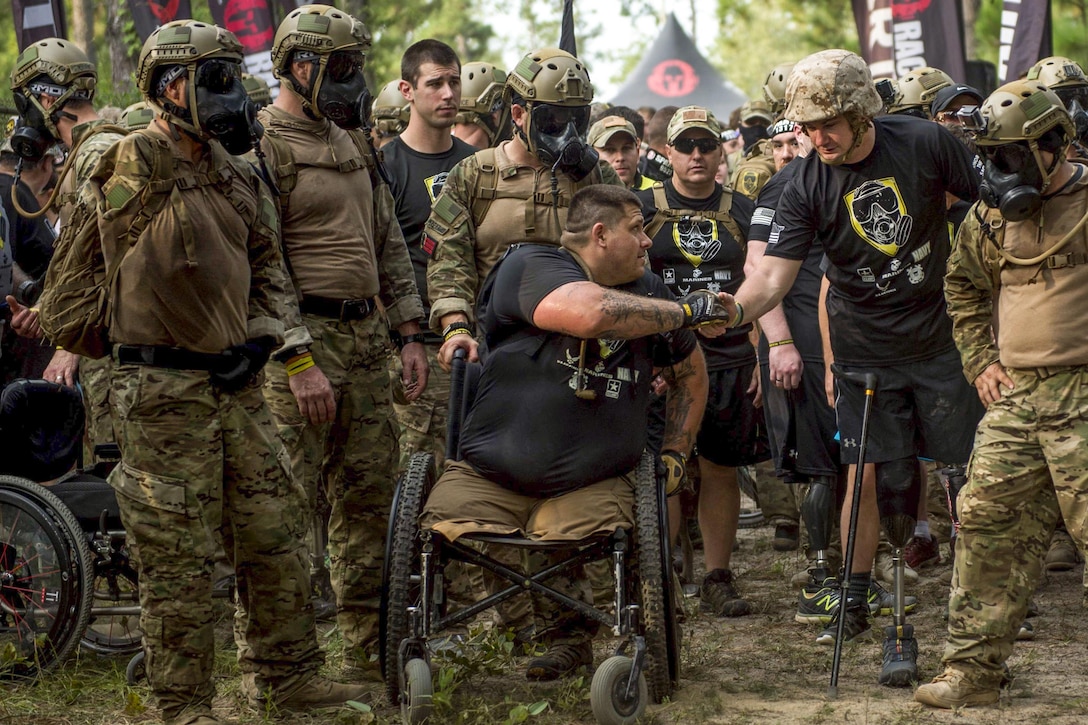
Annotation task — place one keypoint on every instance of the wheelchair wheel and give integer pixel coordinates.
(45, 579)
(751, 517)
(415, 706)
(401, 573)
(114, 628)
(136, 671)
(608, 693)
(659, 623)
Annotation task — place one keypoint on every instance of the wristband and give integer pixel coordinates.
(409, 339)
(456, 328)
(299, 363)
(740, 315)
(787, 341)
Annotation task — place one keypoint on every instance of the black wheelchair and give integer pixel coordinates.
(646, 664)
(66, 578)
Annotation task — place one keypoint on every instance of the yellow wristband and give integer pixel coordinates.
(299, 363)
(740, 315)
(456, 331)
(788, 341)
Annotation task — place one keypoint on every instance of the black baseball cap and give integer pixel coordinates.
(946, 95)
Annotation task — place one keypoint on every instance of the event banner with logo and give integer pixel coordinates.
(150, 14)
(1025, 37)
(37, 19)
(252, 22)
(898, 36)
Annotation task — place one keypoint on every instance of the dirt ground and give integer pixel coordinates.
(763, 668)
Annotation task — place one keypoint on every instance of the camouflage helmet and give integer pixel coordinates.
(318, 29)
(774, 88)
(828, 84)
(138, 115)
(391, 110)
(1058, 72)
(915, 90)
(1021, 111)
(176, 48)
(257, 90)
(552, 76)
(55, 67)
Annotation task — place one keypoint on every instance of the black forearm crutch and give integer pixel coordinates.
(869, 381)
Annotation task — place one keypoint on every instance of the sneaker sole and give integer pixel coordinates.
(924, 563)
(829, 640)
(888, 611)
(812, 619)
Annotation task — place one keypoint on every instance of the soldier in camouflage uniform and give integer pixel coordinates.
(516, 192)
(201, 463)
(53, 84)
(1021, 257)
(351, 271)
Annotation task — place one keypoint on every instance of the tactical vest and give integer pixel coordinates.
(751, 174)
(666, 214)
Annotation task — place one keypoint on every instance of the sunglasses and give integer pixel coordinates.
(344, 65)
(218, 76)
(688, 145)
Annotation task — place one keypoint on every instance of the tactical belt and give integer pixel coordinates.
(176, 358)
(342, 310)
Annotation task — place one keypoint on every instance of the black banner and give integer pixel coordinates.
(567, 40)
(38, 19)
(251, 21)
(874, 21)
(150, 14)
(928, 33)
(1025, 37)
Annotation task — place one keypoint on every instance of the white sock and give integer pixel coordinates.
(921, 529)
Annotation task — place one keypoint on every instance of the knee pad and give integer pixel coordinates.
(898, 487)
(817, 511)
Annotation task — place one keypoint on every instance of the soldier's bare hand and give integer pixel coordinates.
(458, 342)
(786, 366)
(313, 392)
(62, 368)
(990, 382)
(24, 320)
(413, 358)
(755, 388)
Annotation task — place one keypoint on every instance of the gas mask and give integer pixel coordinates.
(35, 131)
(556, 135)
(1012, 181)
(338, 90)
(224, 109)
(1076, 102)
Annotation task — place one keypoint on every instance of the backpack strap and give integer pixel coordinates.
(486, 184)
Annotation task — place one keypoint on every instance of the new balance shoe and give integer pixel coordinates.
(882, 602)
(857, 623)
(900, 667)
(816, 604)
(920, 553)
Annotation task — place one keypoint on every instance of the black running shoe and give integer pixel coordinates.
(560, 660)
(900, 657)
(857, 622)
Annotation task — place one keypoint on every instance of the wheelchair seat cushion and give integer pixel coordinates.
(41, 429)
(87, 496)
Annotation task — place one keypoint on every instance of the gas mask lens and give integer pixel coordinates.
(218, 76)
(343, 66)
(553, 120)
(1012, 158)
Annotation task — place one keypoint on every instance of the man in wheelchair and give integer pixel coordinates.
(572, 338)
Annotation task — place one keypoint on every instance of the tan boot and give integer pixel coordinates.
(952, 689)
(320, 692)
(1062, 555)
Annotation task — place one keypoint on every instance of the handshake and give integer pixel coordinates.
(703, 308)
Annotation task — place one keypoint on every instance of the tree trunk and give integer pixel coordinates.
(122, 64)
(970, 15)
(81, 26)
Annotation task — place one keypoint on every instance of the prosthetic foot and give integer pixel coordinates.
(899, 484)
(900, 666)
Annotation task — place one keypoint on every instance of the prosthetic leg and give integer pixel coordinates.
(898, 487)
(816, 511)
(953, 478)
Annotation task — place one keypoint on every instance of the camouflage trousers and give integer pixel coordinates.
(777, 499)
(353, 459)
(1030, 460)
(421, 424)
(202, 467)
(94, 378)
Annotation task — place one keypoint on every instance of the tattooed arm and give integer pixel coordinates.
(686, 401)
(586, 309)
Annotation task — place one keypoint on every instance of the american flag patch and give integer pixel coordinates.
(762, 216)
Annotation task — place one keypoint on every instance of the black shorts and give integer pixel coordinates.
(733, 432)
(801, 427)
(924, 408)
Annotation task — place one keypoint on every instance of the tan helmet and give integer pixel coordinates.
(552, 76)
(1021, 111)
(481, 96)
(391, 110)
(828, 84)
(774, 88)
(55, 67)
(319, 29)
(257, 90)
(915, 90)
(1058, 72)
(138, 115)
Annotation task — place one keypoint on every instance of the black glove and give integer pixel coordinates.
(242, 363)
(672, 472)
(701, 308)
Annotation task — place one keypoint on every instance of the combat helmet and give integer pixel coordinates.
(257, 89)
(774, 87)
(551, 76)
(1021, 111)
(1058, 72)
(55, 67)
(391, 110)
(482, 96)
(915, 91)
(828, 84)
(180, 47)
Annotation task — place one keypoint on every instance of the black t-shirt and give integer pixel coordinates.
(885, 232)
(416, 181)
(31, 239)
(801, 303)
(693, 255)
(527, 431)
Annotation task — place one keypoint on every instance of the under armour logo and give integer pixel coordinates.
(849, 443)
